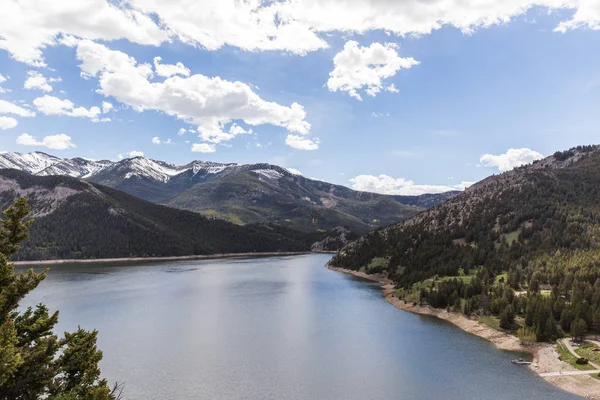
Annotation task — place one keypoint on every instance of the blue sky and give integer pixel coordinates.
(518, 84)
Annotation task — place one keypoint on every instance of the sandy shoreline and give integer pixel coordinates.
(545, 357)
(153, 259)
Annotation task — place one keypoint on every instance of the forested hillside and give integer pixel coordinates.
(77, 219)
(524, 244)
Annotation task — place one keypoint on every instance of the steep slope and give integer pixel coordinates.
(77, 219)
(502, 223)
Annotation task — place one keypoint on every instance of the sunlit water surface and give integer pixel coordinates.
(278, 328)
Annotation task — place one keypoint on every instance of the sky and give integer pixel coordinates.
(394, 97)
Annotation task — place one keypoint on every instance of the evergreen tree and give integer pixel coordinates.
(578, 329)
(34, 362)
(507, 318)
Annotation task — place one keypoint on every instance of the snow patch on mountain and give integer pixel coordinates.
(76, 167)
(269, 173)
(209, 167)
(145, 167)
(28, 162)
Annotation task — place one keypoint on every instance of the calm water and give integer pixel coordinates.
(274, 328)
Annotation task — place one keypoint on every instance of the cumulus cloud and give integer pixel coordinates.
(51, 105)
(157, 140)
(203, 148)
(511, 159)
(587, 16)
(31, 25)
(210, 103)
(36, 80)
(386, 184)
(168, 70)
(296, 26)
(54, 142)
(357, 68)
(107, 107)
(7, 107)
(8, 123)
(302, 143)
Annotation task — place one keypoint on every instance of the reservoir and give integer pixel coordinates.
(279, 328)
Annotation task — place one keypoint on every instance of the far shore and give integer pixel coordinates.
(158, 259)
(545, 356)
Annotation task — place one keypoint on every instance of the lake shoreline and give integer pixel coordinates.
(159, 259)
(545, 356)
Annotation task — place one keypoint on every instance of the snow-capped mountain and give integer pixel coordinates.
(76, 167)
(31, 163)
(42, 164)
(242, 193)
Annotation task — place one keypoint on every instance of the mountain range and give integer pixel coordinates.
(242, 194)
(76, 219)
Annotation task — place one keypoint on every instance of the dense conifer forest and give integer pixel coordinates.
(75, 219)
(521, 245)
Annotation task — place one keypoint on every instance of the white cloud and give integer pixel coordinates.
(135, 153)
(156, 140)
(168, 70)
(107, 107)
(302, 143)
(54, 142)
(385, 184)
(296, 26)
(31, 25)
(2, 80)
(51, 105)
(7, 107)
(511, 159)
(209, 103)
(36, 80)
(379, 115)
(203, 148)
(181, 131)
(587, 16)
(130, 154)
(235, 129)
(8, 123)
(357, 68)
(391, 88)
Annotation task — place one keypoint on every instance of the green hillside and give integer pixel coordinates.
(529, 240)
(77, 219)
